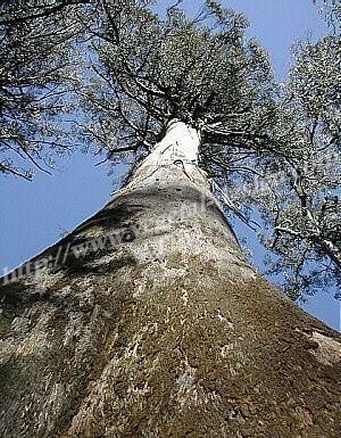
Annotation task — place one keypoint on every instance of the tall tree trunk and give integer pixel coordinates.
(149, 322)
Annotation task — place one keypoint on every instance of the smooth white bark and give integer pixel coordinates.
(181, 142)
(180, 146)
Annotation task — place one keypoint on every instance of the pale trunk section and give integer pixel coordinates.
(160, 328)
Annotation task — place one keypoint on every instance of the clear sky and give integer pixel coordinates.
(35, 215)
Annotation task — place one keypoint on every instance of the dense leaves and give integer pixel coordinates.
(308, 224)
(296, 190)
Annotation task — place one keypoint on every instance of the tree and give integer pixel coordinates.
(147, 320)
(298, 196)
(253, 133)
(214, 79)
(36, 78)
(264, 148)
(155, 325)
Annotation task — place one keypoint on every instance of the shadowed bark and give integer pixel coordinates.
(152, 324)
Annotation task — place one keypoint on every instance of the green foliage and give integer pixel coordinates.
(311, 221)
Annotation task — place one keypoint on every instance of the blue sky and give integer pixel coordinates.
(35, 215)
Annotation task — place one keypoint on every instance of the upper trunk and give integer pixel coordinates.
(152, 324)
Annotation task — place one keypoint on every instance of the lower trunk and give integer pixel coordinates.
(149, 322)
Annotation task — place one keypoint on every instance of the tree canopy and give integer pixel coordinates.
(268, 148)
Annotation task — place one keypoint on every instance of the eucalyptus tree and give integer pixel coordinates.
(147, 320)
(263, 148)
(152, 71)
(37, 66)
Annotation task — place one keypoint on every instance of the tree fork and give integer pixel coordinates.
(161, 328)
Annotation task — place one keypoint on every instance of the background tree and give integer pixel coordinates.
(298, 194)
(36, 80)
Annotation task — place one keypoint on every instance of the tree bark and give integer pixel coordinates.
(147, 321)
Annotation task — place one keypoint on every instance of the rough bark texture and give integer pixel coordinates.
(164, 332)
